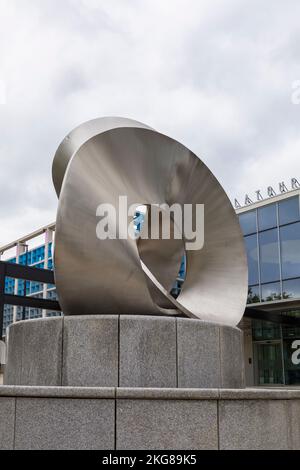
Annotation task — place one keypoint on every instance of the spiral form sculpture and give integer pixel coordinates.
(108, 157)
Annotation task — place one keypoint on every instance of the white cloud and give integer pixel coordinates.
(216, 75)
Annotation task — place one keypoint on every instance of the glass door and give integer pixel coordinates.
(268, 363)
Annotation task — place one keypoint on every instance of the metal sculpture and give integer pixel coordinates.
(108, 157)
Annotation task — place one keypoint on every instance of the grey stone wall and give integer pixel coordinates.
(135, 418)
(124, 351)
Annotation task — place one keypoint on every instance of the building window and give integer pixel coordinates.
(290, 250)
(291, 331)
(269, 256)
(252, 255)
(267, 217)
(276, 352)
(270, 292)
(289, 210)
(291, 289)
(253, 295)
(262, 330)
(248, 222)
(269, 363)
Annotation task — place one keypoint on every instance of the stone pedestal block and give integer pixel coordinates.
(148, 418)
(7, 418)
(124, 351)
(90, 351)
(35, 352)
(147, 352)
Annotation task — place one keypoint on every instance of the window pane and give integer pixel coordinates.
(290, 332)
(269, 256)
(290, 250)
(252, 255)
(267, 217)
(248, 222)
(289, 210)
(270, 292)
(253, 295)
(291, 289)
(268, 363)
(262, 330)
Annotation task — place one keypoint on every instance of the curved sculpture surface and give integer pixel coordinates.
(106, 158)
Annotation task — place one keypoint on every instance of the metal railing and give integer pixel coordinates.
(26, 273)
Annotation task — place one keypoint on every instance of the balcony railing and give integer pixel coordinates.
(26, 273)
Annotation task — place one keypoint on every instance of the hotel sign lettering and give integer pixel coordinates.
(282, 188)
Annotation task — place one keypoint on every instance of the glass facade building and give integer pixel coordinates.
(271, 231)
(272, 239)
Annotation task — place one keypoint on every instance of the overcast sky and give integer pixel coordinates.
(215, 75)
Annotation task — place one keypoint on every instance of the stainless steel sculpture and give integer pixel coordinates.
(105, 158)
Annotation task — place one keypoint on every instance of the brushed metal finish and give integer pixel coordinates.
(77, 137)
(109, 157)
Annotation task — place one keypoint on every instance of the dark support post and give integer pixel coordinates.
(2, 291)
(25, 283)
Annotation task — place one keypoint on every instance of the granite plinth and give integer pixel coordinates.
(124, 351)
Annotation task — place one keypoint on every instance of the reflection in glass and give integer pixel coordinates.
(290, 250)
(252, 255)
(270, 292)
(248, 222)
(267, 217)
(263, 330)
(253, 295)
(276, 360)
(290, 331)
(269, 363)
(289, 210)
(269, 256)
(291, 289)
